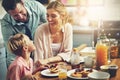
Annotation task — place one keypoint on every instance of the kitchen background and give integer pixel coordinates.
(87, 15)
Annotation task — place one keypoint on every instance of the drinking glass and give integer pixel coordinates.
(88, 62)
(62, 75)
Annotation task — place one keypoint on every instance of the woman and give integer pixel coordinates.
(53, 40)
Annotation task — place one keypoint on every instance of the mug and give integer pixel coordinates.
(88, 62)
(112, 70)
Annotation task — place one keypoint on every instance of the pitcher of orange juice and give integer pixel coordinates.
(102, 54)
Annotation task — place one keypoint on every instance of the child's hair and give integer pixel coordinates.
(16, 43)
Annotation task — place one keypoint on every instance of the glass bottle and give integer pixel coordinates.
(102, 51)
(75, 59)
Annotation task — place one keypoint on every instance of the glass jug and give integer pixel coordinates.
(75, 59)
(102, 51)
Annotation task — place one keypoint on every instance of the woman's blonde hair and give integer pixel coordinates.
(60, 8)
(16, 43)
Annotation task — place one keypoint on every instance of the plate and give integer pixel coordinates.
(73, 70)
(47, 73)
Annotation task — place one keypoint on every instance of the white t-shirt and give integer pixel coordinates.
(55, 48)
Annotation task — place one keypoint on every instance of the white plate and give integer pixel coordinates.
(73, 70)
(99, 75)
(48, 73)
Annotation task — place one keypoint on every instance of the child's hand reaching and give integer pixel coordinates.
(40, 68)
(41, 62)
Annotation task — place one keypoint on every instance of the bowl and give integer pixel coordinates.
(104, 68)
(99, 75)
(111, 69)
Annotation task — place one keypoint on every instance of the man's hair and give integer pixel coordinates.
(10, 4)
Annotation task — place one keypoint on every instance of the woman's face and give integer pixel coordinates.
(53, 17)
(19, 13)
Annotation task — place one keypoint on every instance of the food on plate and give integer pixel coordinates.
(79, 75)
(81, 72)
(53, 68)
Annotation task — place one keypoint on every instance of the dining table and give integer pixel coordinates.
(115, 61)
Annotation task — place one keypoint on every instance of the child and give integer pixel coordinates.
(21, 46)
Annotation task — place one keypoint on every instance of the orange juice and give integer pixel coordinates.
(62, 75)
(101, 55)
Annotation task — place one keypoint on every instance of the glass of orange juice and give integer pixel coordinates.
(62, 75)
(101, 55)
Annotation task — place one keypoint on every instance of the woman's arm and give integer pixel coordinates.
(67, 43)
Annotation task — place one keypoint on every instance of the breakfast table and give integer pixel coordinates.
(68, 66)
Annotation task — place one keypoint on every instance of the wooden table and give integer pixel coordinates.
(114, 61)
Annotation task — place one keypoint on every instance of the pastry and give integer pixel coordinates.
(53, 68)
(76, 74)
(81, 73)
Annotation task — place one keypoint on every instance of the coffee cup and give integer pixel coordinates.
(88, 62)
(112, 70)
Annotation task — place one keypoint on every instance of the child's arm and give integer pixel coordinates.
(47, 61)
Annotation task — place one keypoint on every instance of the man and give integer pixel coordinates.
(22, 16)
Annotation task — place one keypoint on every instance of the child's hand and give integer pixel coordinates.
(40, 68)
(41, 62)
